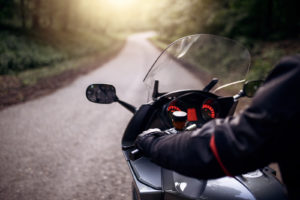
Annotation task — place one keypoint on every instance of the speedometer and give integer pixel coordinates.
(173, 108)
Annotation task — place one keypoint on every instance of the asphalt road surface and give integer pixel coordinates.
(62, 147)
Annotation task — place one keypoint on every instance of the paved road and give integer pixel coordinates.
(62, 147)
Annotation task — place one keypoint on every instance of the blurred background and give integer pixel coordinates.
(62, 147)
(40, 39)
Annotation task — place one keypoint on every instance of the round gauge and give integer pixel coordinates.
(173, 108)
(208, 112)
(209, 109)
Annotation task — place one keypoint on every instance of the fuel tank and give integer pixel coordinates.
(260, 184)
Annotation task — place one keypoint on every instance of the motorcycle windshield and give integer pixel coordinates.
(193, 61)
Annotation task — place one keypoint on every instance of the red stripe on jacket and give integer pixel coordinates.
(213, 147)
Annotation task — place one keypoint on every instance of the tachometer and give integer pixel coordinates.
(208, 112)
(172, 108)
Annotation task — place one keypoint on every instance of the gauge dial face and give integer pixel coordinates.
(208, 112)
(173, 108)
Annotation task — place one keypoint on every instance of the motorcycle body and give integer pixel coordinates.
(187, 71)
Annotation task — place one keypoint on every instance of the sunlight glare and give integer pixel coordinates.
(121, 2)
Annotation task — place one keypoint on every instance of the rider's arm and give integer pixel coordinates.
(187, 153)
(210, 152)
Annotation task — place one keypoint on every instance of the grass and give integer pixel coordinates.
(31, 77)
(265, 55)
(21, 51)
(31, 56)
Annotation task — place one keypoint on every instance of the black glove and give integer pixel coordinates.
(145, 139)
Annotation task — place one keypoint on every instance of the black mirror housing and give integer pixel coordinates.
(250, 87)
(101, 93)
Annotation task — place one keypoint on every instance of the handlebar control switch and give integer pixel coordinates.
(191, 127)
(179, 119)
(135, 154)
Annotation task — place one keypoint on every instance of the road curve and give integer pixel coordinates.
(62, 147)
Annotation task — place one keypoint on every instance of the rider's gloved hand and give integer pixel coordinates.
(145, 139)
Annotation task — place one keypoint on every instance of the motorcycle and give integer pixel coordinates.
(187, 71)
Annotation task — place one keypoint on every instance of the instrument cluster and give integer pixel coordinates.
(199, 108)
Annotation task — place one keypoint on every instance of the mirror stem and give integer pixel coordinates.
(129, 107)
(239, 95)
(155, 93)
(212, 83)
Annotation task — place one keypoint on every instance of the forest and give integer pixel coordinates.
(36, 33)
(270, 29)
(247, 19)
(42, 34)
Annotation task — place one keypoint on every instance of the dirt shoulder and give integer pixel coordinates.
(14, 91)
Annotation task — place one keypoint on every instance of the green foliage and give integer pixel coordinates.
(268, 19)
(45, 33)
(255, 23)
(20, 52)
(265, 58)
(37, 33)
(6, 8)
(251, 19)
(23, 51)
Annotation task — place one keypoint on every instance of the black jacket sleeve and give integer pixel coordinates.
(242, 143)
(187, 153)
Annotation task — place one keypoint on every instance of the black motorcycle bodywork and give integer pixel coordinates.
(150, 181)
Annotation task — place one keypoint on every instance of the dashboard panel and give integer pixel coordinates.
(200, 107)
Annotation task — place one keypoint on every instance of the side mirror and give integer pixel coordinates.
(101, 93)
(105, 94)
(250, 87)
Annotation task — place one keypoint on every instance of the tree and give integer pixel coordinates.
(22, 11)
(6, 9)
(36, 14)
